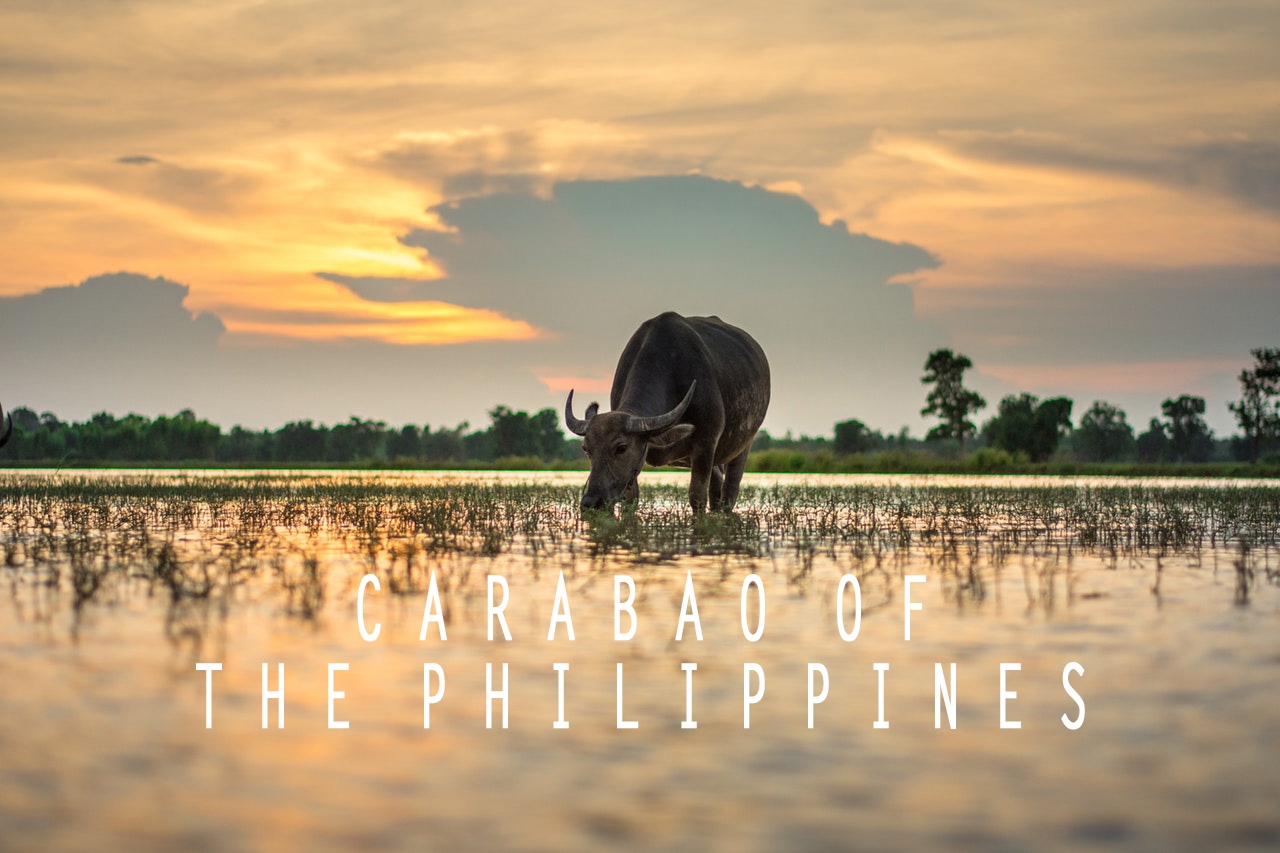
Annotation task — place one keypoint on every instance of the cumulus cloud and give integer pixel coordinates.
(584, 266)
(592, 260)
(126, 343)
(110, 339)
(587, 263)
(382, 289)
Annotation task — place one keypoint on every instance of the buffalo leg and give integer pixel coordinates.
(717, 487)
(732, 480)
(700, 482)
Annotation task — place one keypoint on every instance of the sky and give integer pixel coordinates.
(412, 212)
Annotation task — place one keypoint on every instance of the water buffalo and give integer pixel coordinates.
(4, 439)
(688, 391)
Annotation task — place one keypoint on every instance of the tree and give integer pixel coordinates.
(300, 441)
(183, 436)
(1024, 424)
(1104, 434)
(443, 444)
(852, 437)
(242, 445)
(1153, 445)
(521, 434)
(25, 419)
(407, 443)
(1258, 411)
(949, 399)
(356, 440)
(511, 433)
(1189, 437)
(551, 440)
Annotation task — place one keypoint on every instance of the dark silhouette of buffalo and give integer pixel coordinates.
(5, 416)
(688, 391)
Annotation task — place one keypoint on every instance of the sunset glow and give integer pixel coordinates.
(1037, 155)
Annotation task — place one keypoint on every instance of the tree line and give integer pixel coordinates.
(1023, 427)
(511, 436)
(1028, 429)
(1024, 424)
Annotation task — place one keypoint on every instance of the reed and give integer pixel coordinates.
(302, 541)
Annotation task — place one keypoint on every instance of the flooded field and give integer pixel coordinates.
(1116, 651)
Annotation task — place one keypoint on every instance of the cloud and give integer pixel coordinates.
(110, 339)
(583, 267)
(109, 314)
(201, 189)
(1246, 170)
(1133, 336)
(492, 160)
(126, 343)
(591, 261)
(1121, 316)
(1242, 169)
(382, 289)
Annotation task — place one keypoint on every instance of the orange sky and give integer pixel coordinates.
(242, 147)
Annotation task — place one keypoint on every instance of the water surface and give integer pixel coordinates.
(116, 585)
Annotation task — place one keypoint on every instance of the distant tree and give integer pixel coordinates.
(851, 437)
(949, 399)
(356, 440)
(478, 445)
(1104, 434)
(1153, 445)
(1258, 411)
(183, 436)
(242, 445)
(25, 419)
(511, 433)
(1189, 437)
(551, 440)
(514, 433)
(1024, 424)
(405, 443)
(444, 444)
(300, 441)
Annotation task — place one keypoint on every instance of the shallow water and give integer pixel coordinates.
(102, 712)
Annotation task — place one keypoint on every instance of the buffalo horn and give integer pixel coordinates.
(578, 427)
(637, 424)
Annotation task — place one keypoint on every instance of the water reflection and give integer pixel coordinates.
(1165, 593)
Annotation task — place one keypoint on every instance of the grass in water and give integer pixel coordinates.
(208, 543)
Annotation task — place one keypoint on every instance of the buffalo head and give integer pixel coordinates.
(617, 443)
(4, 416)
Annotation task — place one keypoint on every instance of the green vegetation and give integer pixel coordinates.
(949, 399)
(1258, 410)
(512, 439)
(1026, 425)
(1104, 434)
(1025, 436)
(208, 542)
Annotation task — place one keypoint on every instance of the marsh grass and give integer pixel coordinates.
(298, 542)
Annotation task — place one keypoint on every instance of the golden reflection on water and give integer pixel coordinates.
(102, 712)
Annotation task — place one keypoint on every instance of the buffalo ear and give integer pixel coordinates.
(668, 437)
